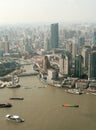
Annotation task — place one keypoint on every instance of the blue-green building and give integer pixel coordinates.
(54, 35)
(94, 38)
(78, 66)
(93, 64)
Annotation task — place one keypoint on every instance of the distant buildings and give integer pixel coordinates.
(75, 39)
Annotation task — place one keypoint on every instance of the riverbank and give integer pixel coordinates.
(42, 107)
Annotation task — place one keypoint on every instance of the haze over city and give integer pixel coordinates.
(32, 11)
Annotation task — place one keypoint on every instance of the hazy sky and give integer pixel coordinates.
(27, 11)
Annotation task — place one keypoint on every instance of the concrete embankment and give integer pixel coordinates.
(27, 74)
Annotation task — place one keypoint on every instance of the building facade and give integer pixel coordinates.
(54, 35)
(65, 63)
(94, 38)
(78, 66)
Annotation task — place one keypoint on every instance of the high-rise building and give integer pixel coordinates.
(78, 66)
(5, 46)
(81, 41)
(94, 38)
(89, 66)
(93, 64)
(74, 49)
(54, 35)
(1, 53)
(47, 44)
(68, 46)
(46, 63)
(85, 54)
(65, 63)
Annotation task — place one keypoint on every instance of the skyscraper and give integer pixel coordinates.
(93, 64)
(94, 38)
(46, 63)
(78, 66)
(5, 46)
(54, 35)
(85, 53)
(65, 63)
(81, 41)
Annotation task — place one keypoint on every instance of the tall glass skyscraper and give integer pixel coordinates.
(94, 38)
(93, 64)
(54, 35)
(78, 66)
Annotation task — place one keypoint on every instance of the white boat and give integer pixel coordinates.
(74, 91)
(2, 85)
(90, 89)
(94, 94)
(57, 85)
(15, 118)
(13, 86)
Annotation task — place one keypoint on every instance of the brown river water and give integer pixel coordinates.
(42, 108)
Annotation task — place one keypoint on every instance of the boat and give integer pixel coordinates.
(17, 98)
(14, 86)
(2, 85)
(3, 105)
(57, 85)
(15, 118)
(93, 90)
(13, 83)
(70, 105)
(93, 94)
(74, 91)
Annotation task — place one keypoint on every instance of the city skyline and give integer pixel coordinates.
(32, 11)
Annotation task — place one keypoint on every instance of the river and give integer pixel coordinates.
(42, 108)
